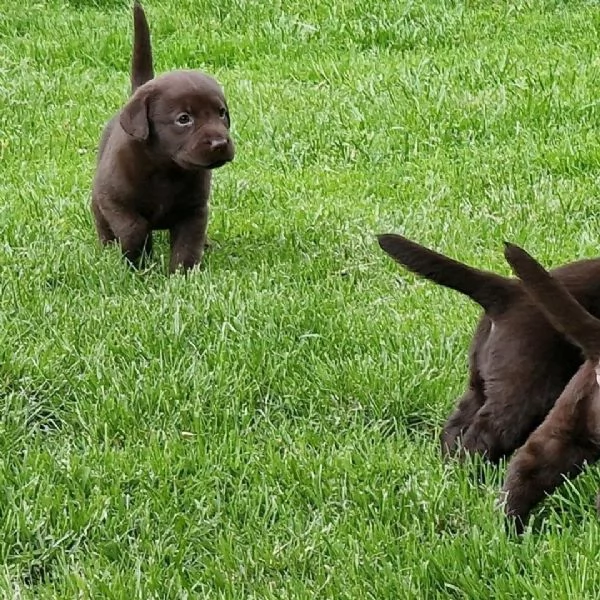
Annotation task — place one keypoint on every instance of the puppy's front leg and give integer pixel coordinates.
(105, 233)
(187, 241)
(132, 231)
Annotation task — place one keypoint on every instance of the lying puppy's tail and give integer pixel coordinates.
(141, 60)
(554, 300)
(492, 292)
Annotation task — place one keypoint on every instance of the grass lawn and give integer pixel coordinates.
(268, 427)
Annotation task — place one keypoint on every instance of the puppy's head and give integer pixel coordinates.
(181, 116)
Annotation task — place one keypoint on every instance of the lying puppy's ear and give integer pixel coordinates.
(134, 117)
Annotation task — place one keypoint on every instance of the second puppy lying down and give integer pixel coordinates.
(569, 437)
(156, 156)
(518, 362)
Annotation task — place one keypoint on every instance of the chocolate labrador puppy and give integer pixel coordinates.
(156, 156)
(518, 363)
(569, 437)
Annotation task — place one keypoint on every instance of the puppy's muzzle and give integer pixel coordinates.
(218, 151)
(210, 151)
(218, 144)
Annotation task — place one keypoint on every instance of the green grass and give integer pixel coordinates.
(267, 428)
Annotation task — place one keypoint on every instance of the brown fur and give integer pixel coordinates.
(518, 363)
(569, 437)
(155, 159)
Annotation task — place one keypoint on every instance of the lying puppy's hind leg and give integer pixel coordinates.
(459, 421)
(505, 421)
(483, 438)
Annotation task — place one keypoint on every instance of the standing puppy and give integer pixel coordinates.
(156, 156)
(569, 437)
(518, 363)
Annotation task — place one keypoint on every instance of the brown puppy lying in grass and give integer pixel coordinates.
(569, 437)
(156, 156)
(518, 363)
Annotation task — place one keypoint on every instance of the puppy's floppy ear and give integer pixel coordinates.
(134, 117)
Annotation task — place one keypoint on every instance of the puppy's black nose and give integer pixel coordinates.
(218, 144)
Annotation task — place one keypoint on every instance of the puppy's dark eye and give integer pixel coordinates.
(183, 119)
(222, 113)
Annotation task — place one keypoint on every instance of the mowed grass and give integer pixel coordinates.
(268, 427)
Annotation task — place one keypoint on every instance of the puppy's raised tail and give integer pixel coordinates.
(491, 291)
(554, 300)
(142, 69)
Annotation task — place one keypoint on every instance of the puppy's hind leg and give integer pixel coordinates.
(473, 398)
(558, 449)
(507, 418)
(484, 437)
(536, 470)
(460, 420)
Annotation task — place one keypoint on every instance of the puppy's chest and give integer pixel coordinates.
(165, 200)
